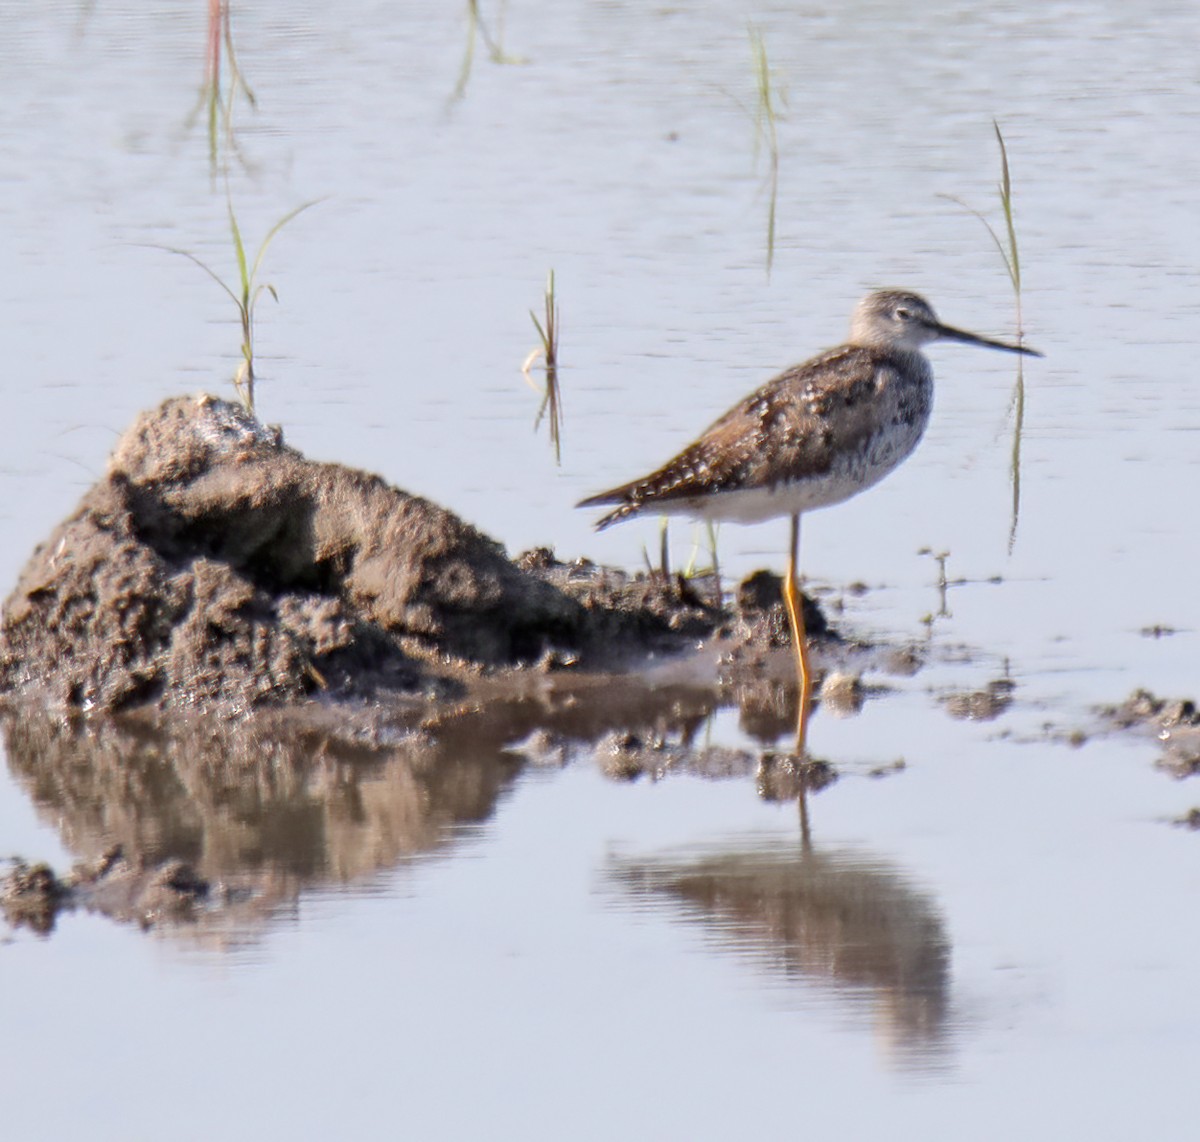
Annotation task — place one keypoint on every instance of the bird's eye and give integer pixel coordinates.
(903, 314)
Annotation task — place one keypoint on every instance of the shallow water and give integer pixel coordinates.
(571, 955)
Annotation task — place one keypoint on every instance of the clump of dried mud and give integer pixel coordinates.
(215, 567)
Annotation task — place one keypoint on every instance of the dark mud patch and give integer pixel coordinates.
(628, 756)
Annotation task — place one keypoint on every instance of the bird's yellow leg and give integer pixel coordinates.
(795, 610)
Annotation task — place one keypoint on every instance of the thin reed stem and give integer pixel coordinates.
(548, 329)
(765, 134)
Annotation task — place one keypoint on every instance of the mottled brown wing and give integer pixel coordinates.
(783, 431)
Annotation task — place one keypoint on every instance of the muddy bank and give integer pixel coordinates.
(215, 567)
(251, 811)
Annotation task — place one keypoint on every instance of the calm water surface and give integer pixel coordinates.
(997, 941)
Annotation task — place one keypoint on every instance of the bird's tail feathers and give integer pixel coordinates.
(621, 511)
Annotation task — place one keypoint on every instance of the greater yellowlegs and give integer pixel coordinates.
(813, 436)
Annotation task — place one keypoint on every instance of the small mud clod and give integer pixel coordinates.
(842, 694)
(982, 705)
(30, 896)
(786, 777)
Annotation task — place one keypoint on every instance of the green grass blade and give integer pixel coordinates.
(765, 133)
(541, 332)
(991, 233)
(1006, 200)
(262, 250)
(1010, 255)
(762, 83)
(207, 269)
(240, 250)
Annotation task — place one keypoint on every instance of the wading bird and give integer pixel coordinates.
(813, 436)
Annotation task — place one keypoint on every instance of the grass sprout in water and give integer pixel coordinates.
(551, 406)
(246, 295)
(766, 114)
(1010, 255)
(943, 585)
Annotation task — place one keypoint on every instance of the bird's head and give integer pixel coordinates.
(898, 320)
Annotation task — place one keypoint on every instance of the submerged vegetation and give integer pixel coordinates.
(551, 406)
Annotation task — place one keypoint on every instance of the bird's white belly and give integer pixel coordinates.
(847, 477)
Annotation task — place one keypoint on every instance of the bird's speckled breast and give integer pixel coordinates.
(868, 438)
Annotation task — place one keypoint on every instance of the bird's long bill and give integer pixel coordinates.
(952, 334)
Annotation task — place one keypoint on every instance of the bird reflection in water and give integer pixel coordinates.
(842, 919)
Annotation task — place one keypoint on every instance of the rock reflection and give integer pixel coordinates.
(214, 826)
(256, 815)
(839, 918)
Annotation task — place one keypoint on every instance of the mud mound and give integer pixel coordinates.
(213, 563)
